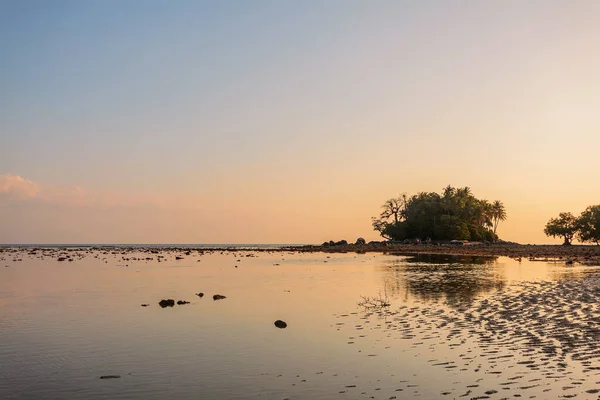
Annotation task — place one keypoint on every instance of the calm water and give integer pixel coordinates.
(456, 328)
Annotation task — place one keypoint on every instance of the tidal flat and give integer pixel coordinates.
(456, 327)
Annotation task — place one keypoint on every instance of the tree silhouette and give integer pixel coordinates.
(453, 214)
(588, 225)
(498, 213)
(565, 226)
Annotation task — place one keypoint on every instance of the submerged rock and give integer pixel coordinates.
(145, 305)
(200, 294)
(280, 324)
(218, 297)
(182, 302)
(167, 303)
(110, 376)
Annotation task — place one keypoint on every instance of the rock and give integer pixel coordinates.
(110, 376)
(62, 258)
(182, 302)
(167, 303)
(218, 297)
(280, 324)
(360, 241)
(200, 294)
(341, 243)
(178, 258)
(145, 305)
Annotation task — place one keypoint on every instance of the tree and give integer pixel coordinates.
(588, 225)
(498, 213)
(564, 226)
(394, 208)
(453, 214)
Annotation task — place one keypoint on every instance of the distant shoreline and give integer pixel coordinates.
(582, 254)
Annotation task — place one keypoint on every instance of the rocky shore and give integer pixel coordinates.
(582, 254)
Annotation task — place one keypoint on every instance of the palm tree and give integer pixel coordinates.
(464, 199)
(448, 199)
(498, 213)
(486, 214)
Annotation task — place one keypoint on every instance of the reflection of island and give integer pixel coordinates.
(433, 277)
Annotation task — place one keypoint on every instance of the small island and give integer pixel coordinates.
(455, 222)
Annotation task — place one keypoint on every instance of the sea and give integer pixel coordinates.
(84, 322)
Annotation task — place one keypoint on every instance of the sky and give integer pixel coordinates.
(289, 122)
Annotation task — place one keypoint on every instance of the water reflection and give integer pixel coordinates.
(454, 279)
(451, 259)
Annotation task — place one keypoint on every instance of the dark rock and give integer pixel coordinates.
(200, 294)
(360, 241)
(145, 305)
(62, 258)
(280, 324)
(341, 243)
(167, 303)
(218, 297)
(182, 302)
(178, 258)
(110, 376)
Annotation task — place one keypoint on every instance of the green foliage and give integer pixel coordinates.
(451, 226)
(455, 214)
(588, 225)
(565, 226)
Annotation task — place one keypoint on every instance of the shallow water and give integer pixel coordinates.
(456, 327)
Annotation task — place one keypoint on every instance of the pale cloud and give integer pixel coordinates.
(16, 189)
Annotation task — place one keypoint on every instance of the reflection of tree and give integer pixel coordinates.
(456, 279)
